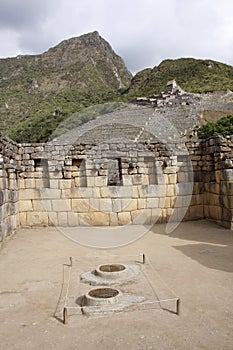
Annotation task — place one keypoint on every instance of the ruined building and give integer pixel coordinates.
(131, 166)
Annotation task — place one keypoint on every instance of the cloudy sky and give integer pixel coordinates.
(142, 32)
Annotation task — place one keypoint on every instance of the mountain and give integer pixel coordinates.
(46, 92)
(192, 75)
(37, 92)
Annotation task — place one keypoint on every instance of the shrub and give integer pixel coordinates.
(223, 126)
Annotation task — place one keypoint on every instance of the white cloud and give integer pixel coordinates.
(142, 32)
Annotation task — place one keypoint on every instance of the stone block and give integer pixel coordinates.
(64, 184)
(106, 205)
(228, 202)
(152, 191)
(113, 219)
(72, 219)
(25, 205)
(127, 179)
(166, 202)
(170, 191)
(99, 219)
(37, 219)
(156, 214)
(94, 219)
(145, 180)
(215, 212)
(13, 196)
(29, 194)
(170, 214)
(82, 192)
(129, 204)
(228, 174)
(61, 205)
(29, 183)
(94, 204)
(62, 219)
(84, 219)
(124, 218)
(101, 181)
(50, 193)
(54, 175)
(42, 205)
(141, 203)
(170, 170)
(109, 192)
(226, 188)
(227, 215)
(90, 181)
(196, 212)
(141, 217)
(135, 193)
(184, 188)
(96, 192)
(137, 179)
(13, 185)
(116, 205)
(80, 205)
(172, 179)
(23, 219)
(21, 183)
(52, 219)
(51, 183)
(152, 203)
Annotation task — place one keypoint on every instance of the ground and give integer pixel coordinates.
(195, 261)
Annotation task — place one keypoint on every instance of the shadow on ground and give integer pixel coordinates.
(212, 245)
(213, 257)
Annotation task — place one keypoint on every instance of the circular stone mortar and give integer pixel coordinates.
(112, 271)
(102, 296)
(110, 274)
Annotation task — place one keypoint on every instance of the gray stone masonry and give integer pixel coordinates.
(141, 177)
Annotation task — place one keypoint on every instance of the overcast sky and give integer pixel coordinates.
(143, 32)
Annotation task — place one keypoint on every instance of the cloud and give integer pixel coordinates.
(21, 14)
(143, 33)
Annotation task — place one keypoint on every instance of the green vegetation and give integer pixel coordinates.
(70, 77)
(83, 72)
(223, 126)
(197, 76)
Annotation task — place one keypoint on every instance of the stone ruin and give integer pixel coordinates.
(123, 168)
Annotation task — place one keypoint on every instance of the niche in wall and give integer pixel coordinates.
(114, 172)
(80, 165)
(149, 164)
(41, 165)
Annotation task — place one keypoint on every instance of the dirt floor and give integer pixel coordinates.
(195, 261)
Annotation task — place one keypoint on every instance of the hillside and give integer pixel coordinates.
(38, 92)
(192, 75)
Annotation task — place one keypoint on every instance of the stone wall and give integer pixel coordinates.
(108, 184)
(212, 162)
(9, 218)
(115, 183)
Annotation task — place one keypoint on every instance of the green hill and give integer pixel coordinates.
(38, 92)
(192, 75)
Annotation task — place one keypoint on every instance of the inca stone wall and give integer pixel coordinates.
(9, 217)
(115, 183)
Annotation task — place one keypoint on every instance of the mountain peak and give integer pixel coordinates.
(76, 73)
